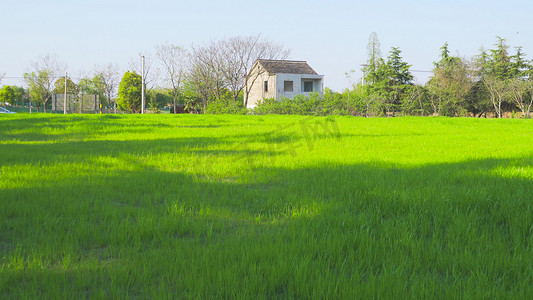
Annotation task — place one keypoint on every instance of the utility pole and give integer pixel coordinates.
(65, 98)
(142, 88)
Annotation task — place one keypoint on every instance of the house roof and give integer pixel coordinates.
(286, 67)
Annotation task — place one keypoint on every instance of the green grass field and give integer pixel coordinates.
(207, 206)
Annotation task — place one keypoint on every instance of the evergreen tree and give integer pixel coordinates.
(129, 92)
(500, 71)
(374, 61)
(398, 70)
(450, 83)
(519, 65)
(395, 81)
(499, 63)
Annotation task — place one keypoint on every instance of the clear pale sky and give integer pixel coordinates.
(330, 35)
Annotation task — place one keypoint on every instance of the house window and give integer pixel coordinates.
(266, 86)
(287, 86)
(308, 86)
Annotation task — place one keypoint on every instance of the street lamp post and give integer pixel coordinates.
(65, 98)
(142, 86)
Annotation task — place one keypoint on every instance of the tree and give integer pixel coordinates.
(234, 74)
(88, 86)
(478, 99)
(7, 95)
(499, 71)
(399, 70)
(206, 71)
(158, 98)
(20, 94)
(59, 86)
(451, 81)
(391, 79)
(40, 81)
(202, 79)
(250, 49)
(99, 89)
(106, 79)
(374, 59)
(499, 63)
(151, 72)
(239, 54)
(210, 60)
(190, 97)
(38, 88)
(72, 89)
(519, 65)
(129, 92)
(372, 102)
(375, 78)
(521, 93)
(85, 87)
(150, 75)
(174, 60)
(415, 102)
(497, 89)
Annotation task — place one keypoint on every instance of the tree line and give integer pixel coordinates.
(489, 84)
(208, 78)
(212, 78)
(204, 78)
(48, 77)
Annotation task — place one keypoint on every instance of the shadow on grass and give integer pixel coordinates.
(76, 127)
(456, 228)
(68, 131)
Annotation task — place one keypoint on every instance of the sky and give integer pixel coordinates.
(331, 35)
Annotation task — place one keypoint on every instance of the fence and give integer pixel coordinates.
(76, 104)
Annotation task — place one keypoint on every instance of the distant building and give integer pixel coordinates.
(282, 78)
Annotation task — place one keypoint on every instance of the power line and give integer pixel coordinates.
(18, 77)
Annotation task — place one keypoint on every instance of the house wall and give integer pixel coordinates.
(276, 86)
(298, 84)
(257, 91)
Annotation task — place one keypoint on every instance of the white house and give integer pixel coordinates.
(281, 78)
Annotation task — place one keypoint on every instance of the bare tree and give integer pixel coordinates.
(200, 81)
(108, 77)
(174, 60)
(497, 90)
(2, 75)
(228, 64)
(41, 79)
(151, 72)
(233, 70)
(213, 55)
(204, 72)
(241, 54)
(521, 93)
(85, 87)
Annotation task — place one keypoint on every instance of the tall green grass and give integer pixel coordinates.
(183, 206)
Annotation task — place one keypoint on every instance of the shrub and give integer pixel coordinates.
(299, 105)
(225, 106)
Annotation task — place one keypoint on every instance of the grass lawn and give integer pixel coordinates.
(207, 206)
